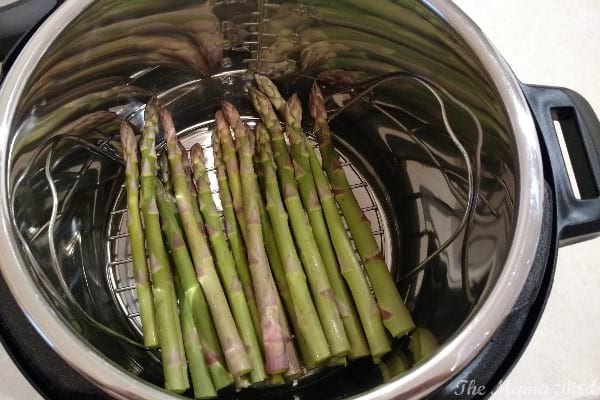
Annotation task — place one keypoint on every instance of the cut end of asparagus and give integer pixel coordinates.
(317, 103)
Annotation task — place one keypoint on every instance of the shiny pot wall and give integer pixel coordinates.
(409, 80)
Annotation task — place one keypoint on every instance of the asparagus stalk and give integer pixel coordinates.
(275, 262)
(266, 294)
(277, 269)
(233, 172)
(136, 238)
(199, 372)
(231, 228)
(309, 252)
(191, 291)
(226, 265)
(394, 364)
(270, 247)
(304, 308)
(310, 199)
(235, 354)
(163, 167)
(423, 343)
(294, 366)
(185, 160)
(350, 267)
(165, 301)
(396, 317)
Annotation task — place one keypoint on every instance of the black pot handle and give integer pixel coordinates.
(577, 197)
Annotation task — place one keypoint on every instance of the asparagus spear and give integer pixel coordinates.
(294, 366)
(233, 171)
(264, 286)
(167, 315)
(136, 238)
(423, 343)
(163, 169)
(394, 364)
(275, 262)
(268, 88)
(199, 372)
(191, 291)
(308, 191)
(231, 228)
(304, 308)
(235, 354)
(309, 252)
(277, 269)
(226, 265)
(350, 267)
(396, 317)
(185, 160)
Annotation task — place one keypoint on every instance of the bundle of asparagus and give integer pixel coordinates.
(281, 273)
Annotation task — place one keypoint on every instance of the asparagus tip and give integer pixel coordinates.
(266, 85)
(220, 121)
(293, 110)
(151, 111)
(231, 114)
(229, 111)
(167, 122)
(127, 136)
(259, 100)
(197, 153)
(261, 79)
(317, 103)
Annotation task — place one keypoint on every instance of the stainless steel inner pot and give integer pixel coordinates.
(402, 78)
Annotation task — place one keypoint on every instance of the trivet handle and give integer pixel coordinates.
(570, 135)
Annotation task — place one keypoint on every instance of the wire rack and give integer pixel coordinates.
(119, 267)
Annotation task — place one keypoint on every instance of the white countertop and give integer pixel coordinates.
(550, 42)
(555, 42)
